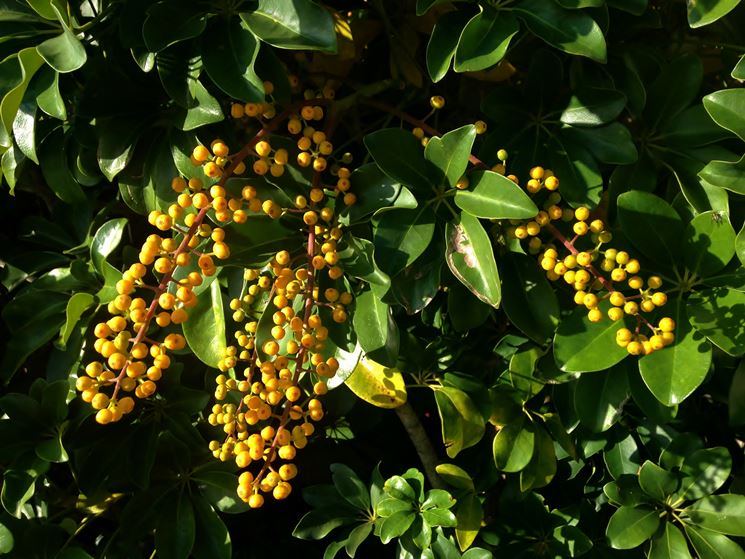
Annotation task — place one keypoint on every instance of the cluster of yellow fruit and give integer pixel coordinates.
(133, 361)
(585, 263)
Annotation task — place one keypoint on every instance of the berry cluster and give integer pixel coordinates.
(596, 272)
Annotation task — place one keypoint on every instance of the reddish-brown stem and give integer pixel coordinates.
(569, 245)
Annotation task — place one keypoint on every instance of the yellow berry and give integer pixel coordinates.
(667, 324)
(437, 101)
(659, 298)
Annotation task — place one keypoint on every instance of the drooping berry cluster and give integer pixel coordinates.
(577, 253)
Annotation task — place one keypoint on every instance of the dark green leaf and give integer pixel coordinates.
(174, 537)
(651, 224)
(622, 457)
(299, 25)
(727, 108)
(656, 482)
(376, 329)
(704, 12)
(161, 29)
(737, 396)
(205, 329)
(350, 486)
(610, 144)
(443, 42)
(450, 153)
(494, 196)
(52, 157)
(704, 472)
(593, 107)
(484, 40)
(105, 241)
(212, 539)
(229, 52)
(399, 154)
(722, 513)
(469, 255)
(664, 103)
(514, 445)
(712, 545)
(581, 181)
(64, 53)
(629, 527)
(401, 236)
(709, 243)
(599, 397)
(572, 31)
(726, 174)
(674, 372)
(714, 313)
(528, 298)
(462, 424)
(669, 544)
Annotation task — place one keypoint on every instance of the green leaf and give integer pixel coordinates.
(105, 241)
(350, 486)
(693, 128)
(651, 224)
(395, 525)
(485, 39)
(581, 181)
(542, 467)
(450, 153)
(117, 140)
(6, 540)
(398, 488)
(622, 458)
(664, 103)
(725, 174)
(581, 346)
(625, 491)
(206, 111)
(727, 108)
(29, 62)
(218, 487)
(49, 97)
(205, 329)
(528, 299)
(390, 505)
(636, 7)
(12, 166)
(469, 255)
(572, 31)
(714, 313)
(54, 167)
(301, 25)
(440, 517)
(469, 514)
(704, 12)
(18, 487)
(175, 535)
(401, 236)
(443, 42)
(669, 544)
(704, 471)
(514, 445)
(76, 306)
(656, 482)
(593, 107)
(318, 523)
(229, 51)
(610, 144)
(722, 513)
(462, 424)
(599, 397)
(455, 476)
(161, 29)
(712, 545)
(380, 386)
(736, 398)
(674, 372)
(399, 154)
(376, 193)
(51, 450)
(356, 537)
(376, 329)
(709, 243)
(65, 53)
(494, 196)
(738, 72)
(629, 527)
(212, 539)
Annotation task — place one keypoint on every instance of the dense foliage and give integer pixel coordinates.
(407, 279)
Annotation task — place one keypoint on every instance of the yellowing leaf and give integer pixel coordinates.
(378, 385)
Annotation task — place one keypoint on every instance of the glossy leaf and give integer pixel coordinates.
(469, 255)
(105, 241)
(65, 53)
(174, 537)
(580, 180)
(629, 527)
(713, 545)
(713, 312)
(669, 544)
(709, 243)
(443, 42)
(469, 514)
(593, 107)
(528, 298)
(455, 476)
(76, 306)
(572, 31)
(494, 196)
(229, 52)
(651, 224)
(705, 12)
(161, 29)
(212, 539)
(350, 487)
(401, 236)
(462, 424)
(704, 471)
(610, 144)
(399, 154)
(514, 445)
(380, 386)
(28, 62)
(674, 372)
(727, 108)
(622, 458)
(725, 174)
(205, 329)
(450, 152)
(484, 40)
(599, 397)
(542, 467)
(302, 24)
(656, 482)
(581, 346)
(55, 170)
(376, 329)
(664, 103)
(722, 513)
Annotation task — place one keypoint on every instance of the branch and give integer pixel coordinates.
(421, 443)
